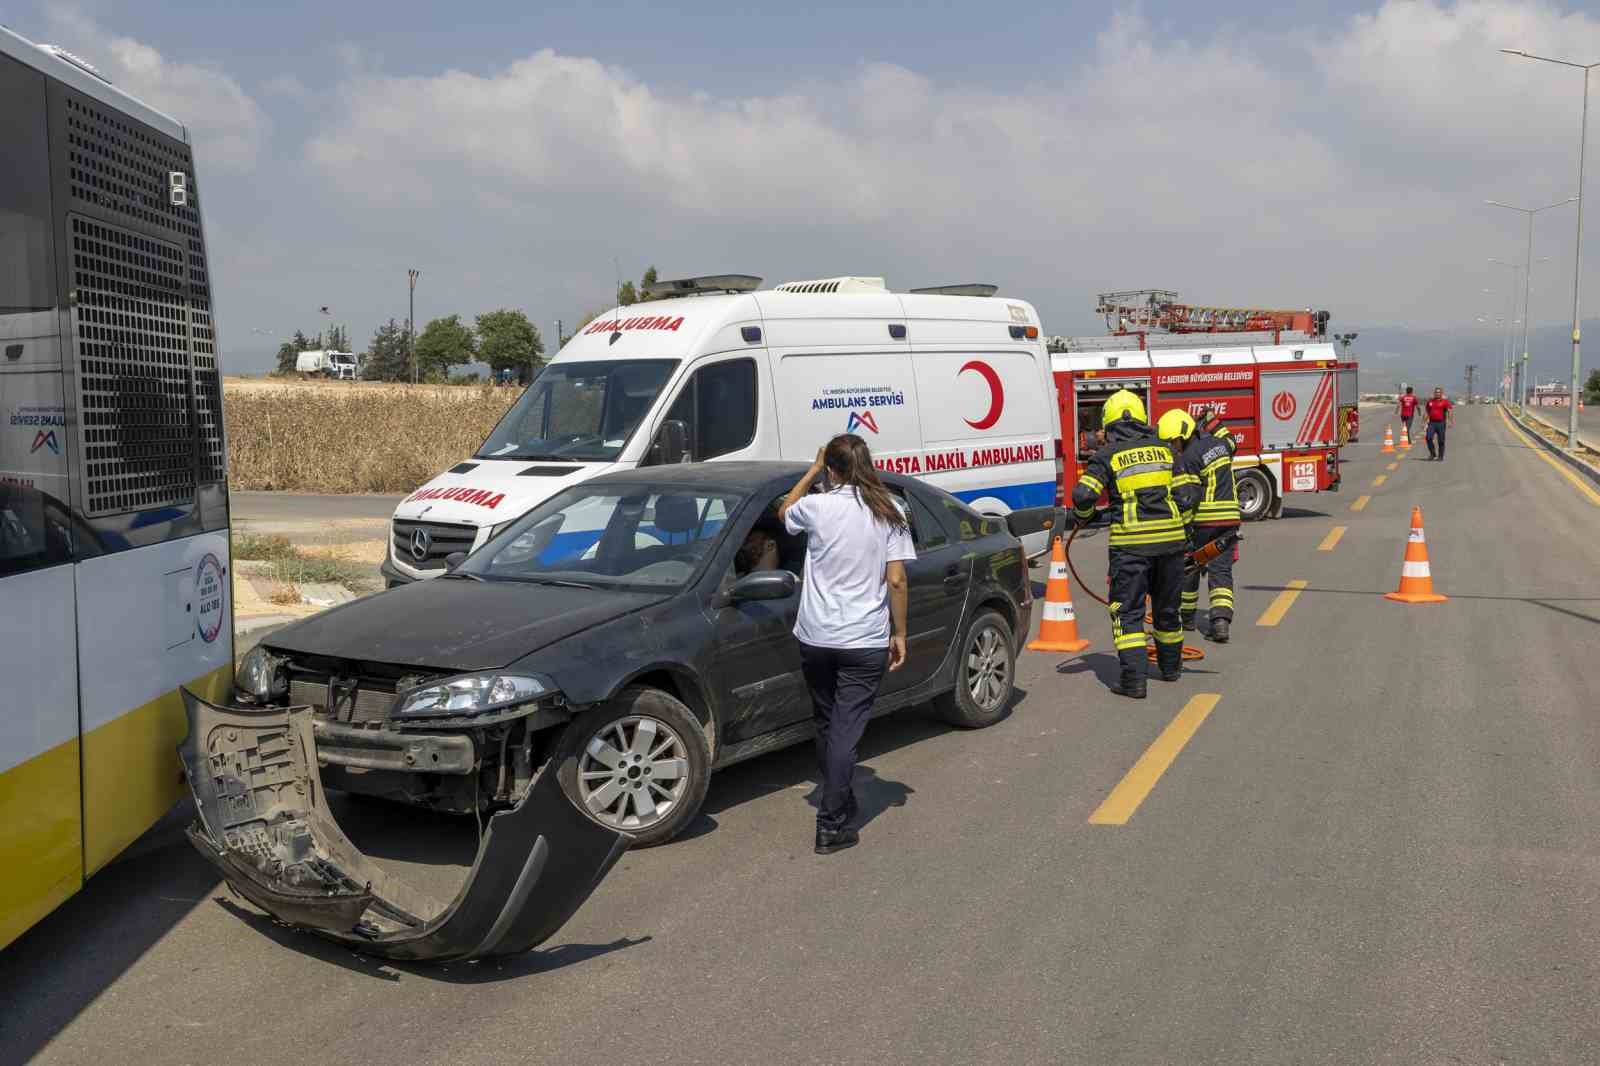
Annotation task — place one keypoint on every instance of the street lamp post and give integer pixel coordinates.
(1577, 255)
(1510, 341)
(411, 322)
(1527, 277)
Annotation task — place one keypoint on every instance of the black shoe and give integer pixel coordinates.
(832, 840)
(1134, 690)
(1219, 630)
(1189, 623)
(1171, 675)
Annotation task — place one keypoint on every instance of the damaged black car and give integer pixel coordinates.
(627, 637)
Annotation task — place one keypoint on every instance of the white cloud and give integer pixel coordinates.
(1341, 166)
(289, 87)
(227, 125)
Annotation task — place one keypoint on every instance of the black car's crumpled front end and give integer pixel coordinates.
(265, 824)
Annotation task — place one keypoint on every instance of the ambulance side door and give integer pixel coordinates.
(719, 404)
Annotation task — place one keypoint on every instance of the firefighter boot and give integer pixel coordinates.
(1189, 625)
(1219, 630)
(1169, 661)
(1135, 664)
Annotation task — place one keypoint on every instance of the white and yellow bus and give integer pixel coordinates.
(114, 563)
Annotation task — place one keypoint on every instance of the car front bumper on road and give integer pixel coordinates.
(263, 821)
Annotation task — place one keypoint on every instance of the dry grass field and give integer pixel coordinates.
(344, 436)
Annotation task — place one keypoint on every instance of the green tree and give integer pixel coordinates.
(645, 282)
(508, 341)
(443, 343)
(1591, 388)
(627, 295)
(387, 357)
(338, 339)
(286, 355)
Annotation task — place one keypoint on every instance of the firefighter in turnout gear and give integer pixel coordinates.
(1135, 470)
(1203, 486)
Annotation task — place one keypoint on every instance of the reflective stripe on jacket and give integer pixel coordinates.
(1135, 471)
(1208, 460)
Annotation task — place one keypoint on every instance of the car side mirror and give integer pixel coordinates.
(454, 559)
(672, 443)
(761, 585)
(1031, 520)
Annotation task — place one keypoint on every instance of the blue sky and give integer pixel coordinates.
(1290, 153)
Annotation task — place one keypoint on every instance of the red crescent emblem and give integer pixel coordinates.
(997, 394)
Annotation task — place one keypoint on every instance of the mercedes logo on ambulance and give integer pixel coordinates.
(421, 541)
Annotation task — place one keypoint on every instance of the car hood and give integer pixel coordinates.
(490, 491)
(455, 624)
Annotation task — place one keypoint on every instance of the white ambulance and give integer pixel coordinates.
(951, 384)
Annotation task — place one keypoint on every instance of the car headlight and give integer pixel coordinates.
(262, 676)
(472, 694)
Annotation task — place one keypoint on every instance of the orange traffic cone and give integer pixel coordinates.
(1388, 440)
(1405, 436)
(1058, 629)
(1416, 580)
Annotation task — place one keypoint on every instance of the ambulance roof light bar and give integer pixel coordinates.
(957, 290)
(703, 286)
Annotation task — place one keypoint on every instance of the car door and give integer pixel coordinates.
(758, 675)
(937, 583)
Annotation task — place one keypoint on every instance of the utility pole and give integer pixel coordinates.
(560, 339)
(1577, 244)
(1472, 368)
(411, 322)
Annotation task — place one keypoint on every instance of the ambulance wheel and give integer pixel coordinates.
(1254, 489)
(985, 675)
(639, 764)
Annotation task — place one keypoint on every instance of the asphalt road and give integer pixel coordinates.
(268, 509)
(1382, 845)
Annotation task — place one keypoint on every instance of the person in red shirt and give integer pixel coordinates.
(1440, 410)
(1408, 409)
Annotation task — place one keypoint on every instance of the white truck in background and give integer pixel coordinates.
(327, 362)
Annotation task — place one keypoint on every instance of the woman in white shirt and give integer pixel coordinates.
(852, 622)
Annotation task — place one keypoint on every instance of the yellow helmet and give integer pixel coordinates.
(1122, 404)
(1175, 425)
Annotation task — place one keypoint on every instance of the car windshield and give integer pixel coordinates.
(609, 536)
(581, 411)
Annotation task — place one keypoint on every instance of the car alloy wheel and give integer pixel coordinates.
(988, 669)
(634, 773)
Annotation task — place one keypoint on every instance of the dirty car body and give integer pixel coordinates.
(609, 632)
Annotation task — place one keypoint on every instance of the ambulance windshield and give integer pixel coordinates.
(579, 411)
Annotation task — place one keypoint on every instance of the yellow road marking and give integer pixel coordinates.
(1392, 466)
(1136, 784)
(1331, 539)
(1379, 480)
(1361, 503)
(1594, 497)
(1280, 606)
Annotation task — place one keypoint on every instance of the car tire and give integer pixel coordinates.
(637, 724)
(986, 671)
(1253, 489)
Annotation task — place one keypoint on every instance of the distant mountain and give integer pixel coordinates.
(1394, 355)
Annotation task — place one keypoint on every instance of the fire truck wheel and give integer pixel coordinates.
(1254, 489)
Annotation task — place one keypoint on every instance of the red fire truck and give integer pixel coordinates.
(1277, 390)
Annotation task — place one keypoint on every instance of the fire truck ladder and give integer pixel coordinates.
(1141, 310)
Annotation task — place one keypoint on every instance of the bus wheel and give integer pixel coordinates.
(1254, 490)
